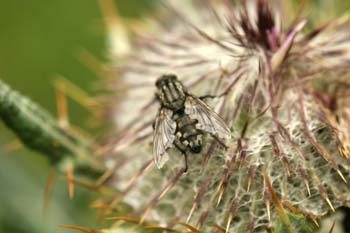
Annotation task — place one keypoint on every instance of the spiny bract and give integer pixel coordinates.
(273, 86)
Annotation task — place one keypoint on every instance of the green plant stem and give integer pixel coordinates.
(39, 131)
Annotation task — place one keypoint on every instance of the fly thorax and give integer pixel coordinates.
(171, 96)
(171, 92)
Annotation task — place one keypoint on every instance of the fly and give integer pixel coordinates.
(182, 121)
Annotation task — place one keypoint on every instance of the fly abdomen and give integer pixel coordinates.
(188, 131)
(188, 134)
(195, 143)
(184, 124)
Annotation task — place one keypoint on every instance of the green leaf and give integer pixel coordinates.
(298, 221)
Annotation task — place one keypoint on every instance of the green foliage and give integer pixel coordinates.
(299, 223)
(38, 130)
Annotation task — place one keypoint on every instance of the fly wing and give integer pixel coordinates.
(163, 136)
(208, 120)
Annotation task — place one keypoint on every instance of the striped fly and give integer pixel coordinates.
(182, 120)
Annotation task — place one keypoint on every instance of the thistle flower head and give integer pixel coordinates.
(274, 85)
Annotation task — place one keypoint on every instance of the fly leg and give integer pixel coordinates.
(186, 166)
(204, 97)
(182, 148)
(220, 142)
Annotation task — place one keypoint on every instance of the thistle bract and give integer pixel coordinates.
(289, 129)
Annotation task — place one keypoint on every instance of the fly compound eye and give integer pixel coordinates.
(173, 77)
(158, 82)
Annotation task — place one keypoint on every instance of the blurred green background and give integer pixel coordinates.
(38, 40)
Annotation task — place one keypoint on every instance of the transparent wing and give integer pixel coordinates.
(208, 120)
(163, 136)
